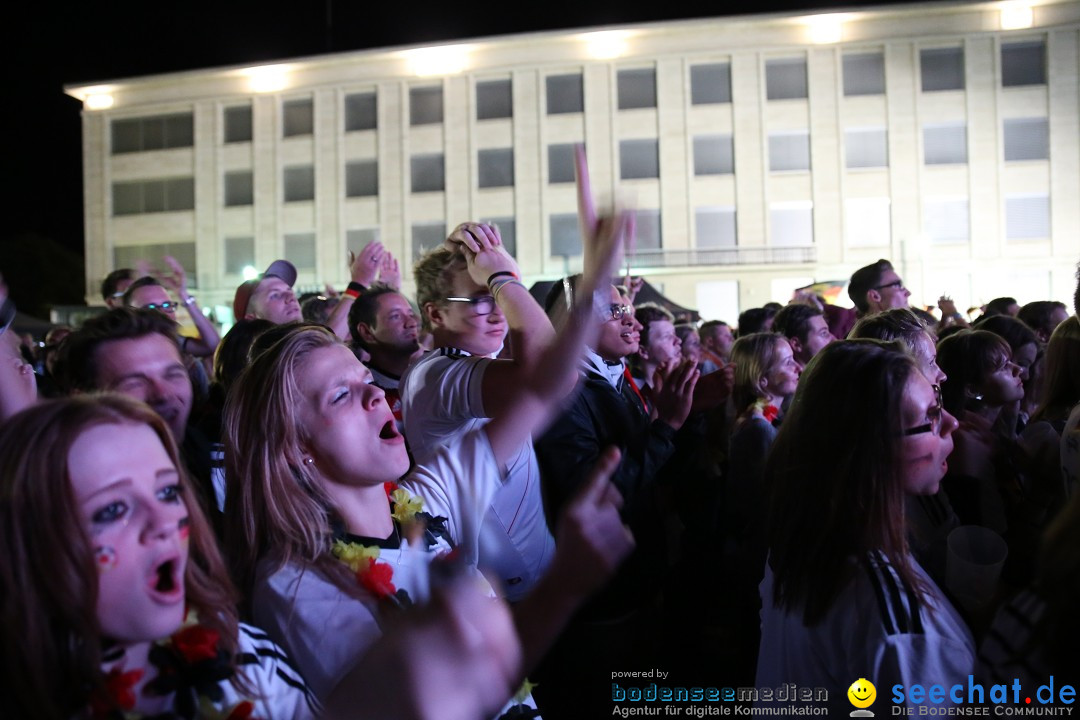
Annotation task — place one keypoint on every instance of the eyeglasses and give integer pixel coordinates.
(617, 312)
(482, 305)
(935, 415)
(166, 306)
(898, 284)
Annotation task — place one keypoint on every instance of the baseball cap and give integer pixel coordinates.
(282, 269)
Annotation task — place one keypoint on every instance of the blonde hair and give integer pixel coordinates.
(753, 355)
(273, 505)
(434, 275)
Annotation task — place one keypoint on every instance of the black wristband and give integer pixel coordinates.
(356, 287)
(502, 273)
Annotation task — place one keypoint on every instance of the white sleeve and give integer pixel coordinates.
(458, 482)
(324, 631)
(438, 393)
(920, 659)
(279, 688)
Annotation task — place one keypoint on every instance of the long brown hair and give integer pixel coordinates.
(753, 356)
(273, 505)
(1061, 378)
(833, 475)
(51, 647)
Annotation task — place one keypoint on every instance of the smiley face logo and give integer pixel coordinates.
(862, 693)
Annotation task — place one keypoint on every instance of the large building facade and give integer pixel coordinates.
(762, 153)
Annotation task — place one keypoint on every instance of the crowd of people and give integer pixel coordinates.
(471, 504)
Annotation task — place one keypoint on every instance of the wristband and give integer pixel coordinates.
(354, 290)
(503, 273)
(189, 300)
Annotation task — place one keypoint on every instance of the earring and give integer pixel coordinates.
(309, 461)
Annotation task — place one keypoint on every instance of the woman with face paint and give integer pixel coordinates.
(115, 600)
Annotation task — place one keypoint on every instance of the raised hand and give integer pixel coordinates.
(175, 280)
(483, 250)
(390, 271)
(364, 268)
(673, 386)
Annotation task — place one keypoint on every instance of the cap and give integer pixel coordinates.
(279, 268)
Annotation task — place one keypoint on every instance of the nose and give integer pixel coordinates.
(162, 521)
(371, 396)
(948, 423)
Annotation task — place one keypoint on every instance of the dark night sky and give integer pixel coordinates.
(57, 43)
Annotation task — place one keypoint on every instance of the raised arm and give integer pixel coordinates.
(489, 264)
(208, 339)
(363, 269)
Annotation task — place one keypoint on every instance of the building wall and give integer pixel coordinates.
(905, 195)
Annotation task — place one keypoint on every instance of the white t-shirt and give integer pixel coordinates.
(876, 629)
(442, 400)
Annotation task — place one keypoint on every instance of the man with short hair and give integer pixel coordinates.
(1043, 316)
(382, 322)
(877, 287)
(805, 329)
(135, 352)
(716, 342)
(114, 285)
(659, 343)
(269, 296)
(470, 294)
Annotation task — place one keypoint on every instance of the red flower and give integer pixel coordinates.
(377, 578)
(242, 711)
(195, 643)
(389, 487)
(770, 412)
(118, 691)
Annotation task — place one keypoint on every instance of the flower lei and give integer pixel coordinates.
(769, 411)
(378, 577)
(191, 666)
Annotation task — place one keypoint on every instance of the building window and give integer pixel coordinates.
(361, 112)
(561, 163)
(1027, 139)
(184, 252)
(867, 222)
(866, 147)
(714, 155)
(238, 124)
(785, 78)
(507, 227)
(300, 250)
(789, 151)
(715, 227)
(162, 132)
(565, 94)
(239, 188)
(1027, 217)
(357, 239)
(427, 236)
(942, 69)
(239, 254)
(425, 105)
(299, 183)
(648, 235)
(150, 196)
(945, 144)
(1023, 63)
(639, 159)
(710, 84)
(496, 168)
(946, 220)
(494, 99)
(565, 236)
(791, 224)
(298, 117)
(864, 74)
(362, 178)
(428, 173)
(637, 88)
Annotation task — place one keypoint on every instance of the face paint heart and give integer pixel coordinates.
(105, 557)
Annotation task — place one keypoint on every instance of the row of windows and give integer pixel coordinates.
(1024, 139)
(1022, 63)
(867, 223)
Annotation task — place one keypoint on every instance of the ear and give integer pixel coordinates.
(249, 316)
(763, 383)
(434, 314)
(796, 346)
(643, 352)
(365, 333)
(873, 296)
